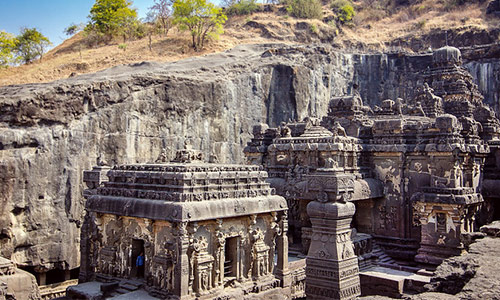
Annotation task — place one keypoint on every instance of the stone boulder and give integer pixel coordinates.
(16, 283)
(474, 275)
(492, 229)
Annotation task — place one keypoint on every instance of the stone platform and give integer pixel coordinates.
(389, 282)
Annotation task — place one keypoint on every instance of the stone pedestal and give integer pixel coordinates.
(331, 265)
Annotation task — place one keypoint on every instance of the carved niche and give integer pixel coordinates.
(203, 266)
(107, 259)
(260, 254)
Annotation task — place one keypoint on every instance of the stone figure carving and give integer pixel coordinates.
(322, 197)
(331, 163)
(188, 154)
(417, 110)
(213, 159)
(200, 244)
(398, 107)
(285, 132)
(101, 160)
(338, 130)
(163, 157)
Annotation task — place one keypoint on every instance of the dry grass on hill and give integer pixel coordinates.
(373, 27)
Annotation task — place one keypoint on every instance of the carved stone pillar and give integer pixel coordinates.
(282, 271)
(42, 278)
(86, 268)
(181, 270)
(221, 243)
(331, 265)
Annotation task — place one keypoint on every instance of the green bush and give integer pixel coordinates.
(122, 47)
(343, 9)
(242, 7)
(139, 30)
(335, 5)
(306, 9)
(314, 29)
(346, 13)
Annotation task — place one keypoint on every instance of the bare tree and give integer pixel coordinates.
(162, 13)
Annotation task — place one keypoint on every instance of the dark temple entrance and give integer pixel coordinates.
(231, 258)
(137, 248)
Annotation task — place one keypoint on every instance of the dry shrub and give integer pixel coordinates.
(404, 15)
(306, 9)
(369, 15)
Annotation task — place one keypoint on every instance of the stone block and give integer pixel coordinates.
(492, 229)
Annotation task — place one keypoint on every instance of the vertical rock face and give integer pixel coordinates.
(389, 76)
(51, 132)
(487, 75)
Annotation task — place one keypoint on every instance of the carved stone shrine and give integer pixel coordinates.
(203, 229)
(420, 173)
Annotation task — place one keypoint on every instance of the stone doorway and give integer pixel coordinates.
(231, 258)
(137, 248)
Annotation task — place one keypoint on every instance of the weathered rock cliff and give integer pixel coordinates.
(51, 132)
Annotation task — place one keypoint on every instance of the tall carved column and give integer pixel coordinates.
(331, 265)
(221, 243)
(181, 270)
(282, 271)
(88, 248)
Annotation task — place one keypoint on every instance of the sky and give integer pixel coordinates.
(50, 17)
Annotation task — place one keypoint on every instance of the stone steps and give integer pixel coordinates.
(382, 257)
(390, 282)
(125, 287)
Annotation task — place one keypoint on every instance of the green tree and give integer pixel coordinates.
(111, 18)
(201, 18)
(30, 44)
(7, 44)
(73, 29)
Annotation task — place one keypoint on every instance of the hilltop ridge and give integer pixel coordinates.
(412, 27)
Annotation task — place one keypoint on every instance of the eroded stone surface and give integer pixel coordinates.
(16, 283)
(473, 275)
(492, 229)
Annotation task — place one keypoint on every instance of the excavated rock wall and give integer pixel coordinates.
(50, 133)
(53, 132)
(388, 76)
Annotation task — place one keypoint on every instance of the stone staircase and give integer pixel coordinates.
(380, 274)
(382, 257)
(125, 287)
